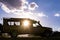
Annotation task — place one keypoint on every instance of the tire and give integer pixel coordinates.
(13, 35)
(47, 33)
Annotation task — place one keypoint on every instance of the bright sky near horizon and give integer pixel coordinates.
(46, 11)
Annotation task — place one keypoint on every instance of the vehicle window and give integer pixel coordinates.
(35, 25)
(17, 23)
(9, 23)
(14, 23)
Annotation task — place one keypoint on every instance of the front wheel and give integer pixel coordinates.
(47, 33)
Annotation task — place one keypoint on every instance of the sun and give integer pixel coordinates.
(26, 23)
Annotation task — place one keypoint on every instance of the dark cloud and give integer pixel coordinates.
(12, 3)
(32, 5)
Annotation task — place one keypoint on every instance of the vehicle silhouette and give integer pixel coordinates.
(16, 26)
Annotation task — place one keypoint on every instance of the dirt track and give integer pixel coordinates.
(22, 38)
(31, 38)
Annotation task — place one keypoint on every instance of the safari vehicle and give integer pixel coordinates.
(16, 26)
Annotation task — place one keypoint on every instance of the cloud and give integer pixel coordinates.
(13, 4)
(33, 6)
(59, 29)
(19, 7)
(56, 29)
(42, 14)
(27, 15)
(0, 3)
(5, 8)
(57, 15)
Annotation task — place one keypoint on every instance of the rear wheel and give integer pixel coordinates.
(13, 34)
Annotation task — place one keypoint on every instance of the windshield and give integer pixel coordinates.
(35, 24)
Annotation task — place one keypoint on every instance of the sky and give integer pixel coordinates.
(46, 11)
